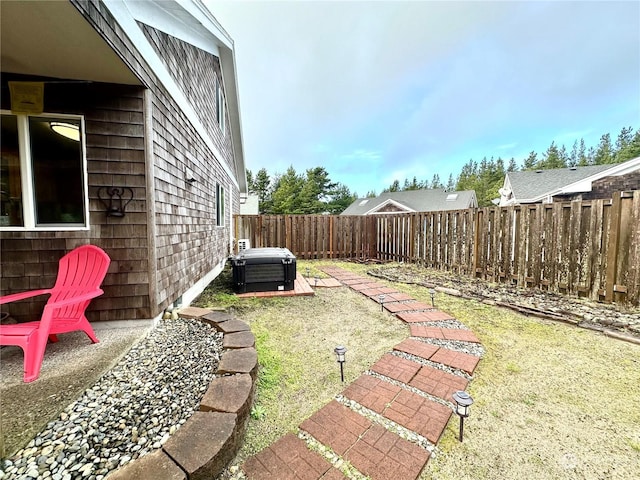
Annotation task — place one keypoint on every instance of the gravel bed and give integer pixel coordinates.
(465, 347)
(453, 324)
(132, 410)
(621, 317)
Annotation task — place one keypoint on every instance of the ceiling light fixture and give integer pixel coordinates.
(69, 130)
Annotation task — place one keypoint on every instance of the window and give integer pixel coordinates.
(452, 197)
(220, 105)
(219, 205)
(42, 173)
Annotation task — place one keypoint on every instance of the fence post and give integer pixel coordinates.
(612, 254)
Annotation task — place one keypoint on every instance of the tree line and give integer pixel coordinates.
(313, 192)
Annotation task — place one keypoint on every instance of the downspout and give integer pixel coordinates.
(151, 204)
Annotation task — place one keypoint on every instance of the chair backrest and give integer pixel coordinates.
(80, 271)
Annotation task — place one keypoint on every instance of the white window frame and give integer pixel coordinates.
(220, 205)
(220, 105)
(26, 175)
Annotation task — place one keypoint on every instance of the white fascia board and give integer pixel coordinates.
(389, 201)
(230, 84)
(120, 11)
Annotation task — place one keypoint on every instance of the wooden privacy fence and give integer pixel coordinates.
(589, 248)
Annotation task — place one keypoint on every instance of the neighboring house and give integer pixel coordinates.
(572, 183)
(410, 201)
(146, 93)
(251, 206)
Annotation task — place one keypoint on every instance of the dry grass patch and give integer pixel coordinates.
(551, 401)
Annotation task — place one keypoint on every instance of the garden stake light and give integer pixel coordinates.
(463, 405)
(315, 282)
(381, 298)
(340, 357)
(432, 292)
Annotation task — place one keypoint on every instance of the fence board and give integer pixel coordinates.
(589, 248)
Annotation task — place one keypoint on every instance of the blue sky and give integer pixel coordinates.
(377, 91)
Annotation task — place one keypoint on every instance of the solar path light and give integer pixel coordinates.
(381, 297)
(432, 292)
(340, 357)
(463, 406)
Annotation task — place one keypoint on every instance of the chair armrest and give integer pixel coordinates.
(76, 299)
(14, 297)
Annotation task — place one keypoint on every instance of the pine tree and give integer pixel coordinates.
(630, 150)
(531, 162)
(604, 153)
(450, 183)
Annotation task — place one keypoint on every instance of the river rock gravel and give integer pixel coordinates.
(132, 410)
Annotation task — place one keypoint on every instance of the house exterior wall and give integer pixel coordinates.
(140, 137)
(115, 157)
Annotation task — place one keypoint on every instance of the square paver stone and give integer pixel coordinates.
(417, 348)
(419, 414)
(336, 426)
(396, 367)
(460, 360)
(438, 383)
(371, 392)
(383, 455)
(287, 458)
(409, 306)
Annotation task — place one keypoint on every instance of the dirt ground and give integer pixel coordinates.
(552, 401)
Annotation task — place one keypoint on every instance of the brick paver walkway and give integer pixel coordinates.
(391, 389)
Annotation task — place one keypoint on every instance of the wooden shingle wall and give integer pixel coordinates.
(188, 244)
(115, 157)
(185, 242)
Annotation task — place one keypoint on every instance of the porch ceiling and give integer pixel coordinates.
(52, 39)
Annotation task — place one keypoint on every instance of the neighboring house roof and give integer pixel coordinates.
(540, 185)
(413, 201)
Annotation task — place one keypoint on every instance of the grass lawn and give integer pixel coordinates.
(551, 401)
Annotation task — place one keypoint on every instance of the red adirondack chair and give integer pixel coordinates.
(80, 274)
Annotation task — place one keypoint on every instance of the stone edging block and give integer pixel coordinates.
(211, 437)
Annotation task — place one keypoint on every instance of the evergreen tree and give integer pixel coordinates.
(583, 156)
(450, 183)
(513, 166)
(551, 158)
(629, 150)
(395, 187)
(604, 152)
(286, 195)
(250, 186)
(340, 197)
(531, 162)
(573, 156)
(435, 182)
(261, 186)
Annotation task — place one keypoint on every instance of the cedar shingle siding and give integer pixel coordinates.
(167, 240)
